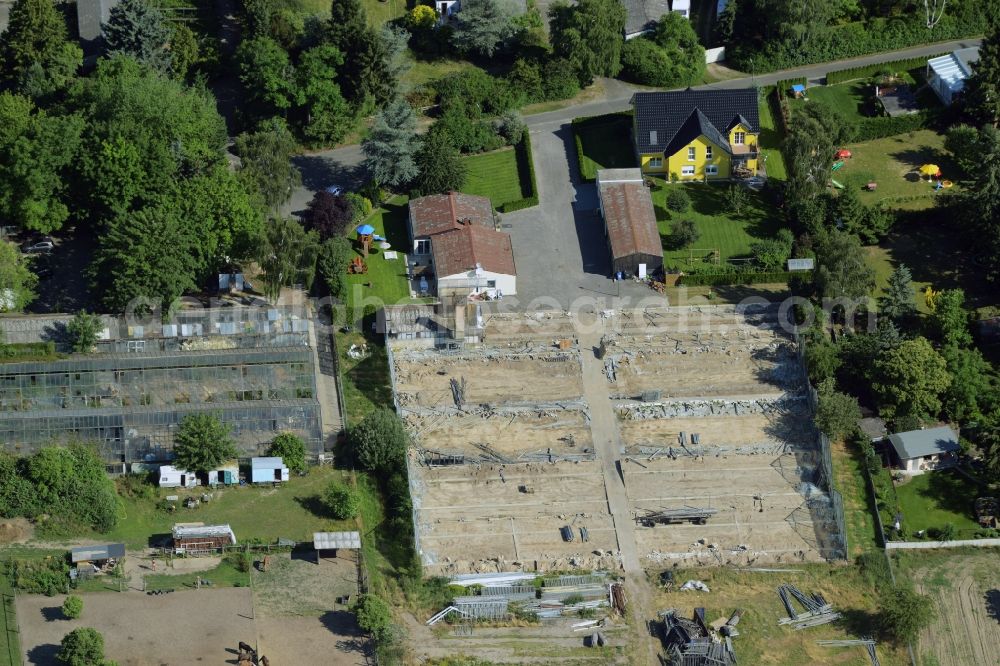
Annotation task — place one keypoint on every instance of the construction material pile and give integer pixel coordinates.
(695, 643)
(817, 612)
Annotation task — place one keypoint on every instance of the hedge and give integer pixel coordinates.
(584, 121)
(718, 279)
(869, 129)
(853, 73)
(785, 86)
(526, 173)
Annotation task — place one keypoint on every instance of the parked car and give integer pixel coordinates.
(39, 247)
(335, 189)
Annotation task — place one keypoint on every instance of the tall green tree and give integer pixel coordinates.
(366, 72)
(202, 443)
(903, 614)
(910, 379)
(842, 269)
(288, 256)
(484, 26)
(973, 389)
(136, 28)
(391, 146)
(379, 441)
(950, 319)
(83, 329)
(898, 301)
(268, 75)
(328, 117)
(82, 647)
(334, 257)
(982, 89)
(36, 35)
(589, 35)
(17, 282)
(347, 20)
(978, 205)
(675, 35)
(265, 157)
(837, 413)
(291, 449)
(441, 167)
(813, 136)
(184, 51)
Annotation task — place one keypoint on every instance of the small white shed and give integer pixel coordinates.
(946, 75)
(268, 470)
(171, 477)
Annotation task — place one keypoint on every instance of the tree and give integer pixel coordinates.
(72, 607)
(737, 199)
(136, 28)
(374, 616)
(966, 143)
(328, 117)
(683, 233)
(950, 320)
(391, 146)
(379, 441)
(837, 413)
(329, 214)
(814, 134)
(645, 63)
(898, 302)
(334, 257)
(83, 329)
(267, 74)
(773, 253)
(903, 613)
(676, 36)
(978, 205)
(183, 50)
(822, 360)
(972, 388)
(202, 443)
(82, 647)
(36, 35)
(347, 21)
(589, 35)
(678, 200)
(265, 161)
(291, 449)
(484, 26)
(842, 269)
(17, 279)
(341, 500)
(440, 166)
(910, 379)
(982, 89)
(421, 17)
(288, 256)
(366, 70)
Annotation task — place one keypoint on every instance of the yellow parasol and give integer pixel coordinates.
(929, 170)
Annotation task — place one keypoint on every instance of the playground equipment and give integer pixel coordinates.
(843, 154)
(837, 184)
(837, 166)
(357, 266)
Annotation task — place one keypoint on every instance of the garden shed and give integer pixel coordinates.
(335, 541)
(199, 538)
(919, 451)
(268, 470)
(172, 477)
(629, 222)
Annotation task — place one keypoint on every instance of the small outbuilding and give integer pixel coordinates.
(335, 541)
(227, 475)
(268, 470)
(947, 74)
(199, 538)
(90, 560)
(629, 222)
(172, 477)
(919, 451)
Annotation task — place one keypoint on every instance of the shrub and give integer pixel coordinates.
(895, 66)
(678, 200)
(72, 607)
(82, 647)
(342, 501)
(718, 279)
(682, 234)
(291, 449)
(645, 63)
(374, 616)
(737, 198)
(903, 614)
(49, 576)
(379, 441)
(83, 329)
(511, 127)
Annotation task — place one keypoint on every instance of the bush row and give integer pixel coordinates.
(852, 73)
(868, 129)
(28, 350)
(857, 39)
(785, 85)
(526, 174)
(718, 279)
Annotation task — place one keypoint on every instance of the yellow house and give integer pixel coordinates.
(697, 135)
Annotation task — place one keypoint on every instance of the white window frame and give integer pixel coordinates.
(423, 246)
(691, 153)
(655, 163)
(708, 152)
(711, 170)
(739, 138)
(687, 170)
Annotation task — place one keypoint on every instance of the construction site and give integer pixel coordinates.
(522, 441)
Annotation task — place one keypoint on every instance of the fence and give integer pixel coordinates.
(958, 543)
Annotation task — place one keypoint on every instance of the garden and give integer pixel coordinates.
(603, 142)
(506, 177)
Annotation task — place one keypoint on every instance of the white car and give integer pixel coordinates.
(39, 247)
(335, 190)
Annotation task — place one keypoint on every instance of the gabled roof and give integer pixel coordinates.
(628, 213)
(696, 125)
(439, 213)
(920, 443)
(666, 113)
(471, 246)
(641, 15)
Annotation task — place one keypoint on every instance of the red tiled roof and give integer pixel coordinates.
(459, 250)
(439, 213)
(630, 220)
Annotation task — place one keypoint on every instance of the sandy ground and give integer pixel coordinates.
(470, 520)
(299, 586)
(181, 628)
(729, 431)
(967, 595)
(427, 382)
(332, 638)
(562, 431)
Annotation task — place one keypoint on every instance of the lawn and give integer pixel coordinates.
(10, 645)
(494, 175)
(423, 71)
(849, 480)
(935, 499)
(378, 11)
(892, 163)
(604, 142)
(291, 510)
(772, 135)
(385, 282)
(365, 381)
(720, 231)
(852, 101)
(224, 575)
